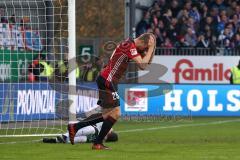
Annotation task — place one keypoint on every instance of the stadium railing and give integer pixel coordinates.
(99, 47)
(198, 51)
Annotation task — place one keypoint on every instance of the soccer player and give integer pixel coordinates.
(83, 135)
(139, 50)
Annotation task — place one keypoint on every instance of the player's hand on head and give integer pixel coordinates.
(151, 42)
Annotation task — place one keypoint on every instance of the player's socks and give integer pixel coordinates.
(107, 125)
(74, 127)
(82, 124)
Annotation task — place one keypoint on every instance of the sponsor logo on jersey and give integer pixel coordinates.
(133, 52)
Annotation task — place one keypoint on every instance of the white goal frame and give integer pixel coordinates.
(72, 97)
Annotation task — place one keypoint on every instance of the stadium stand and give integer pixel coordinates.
(204, 27)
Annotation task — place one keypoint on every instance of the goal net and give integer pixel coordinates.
(37, 66)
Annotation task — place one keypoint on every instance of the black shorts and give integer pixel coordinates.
(108, 96)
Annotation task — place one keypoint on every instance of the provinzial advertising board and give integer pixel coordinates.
(26, 102)
(191, 69)
(180, 100)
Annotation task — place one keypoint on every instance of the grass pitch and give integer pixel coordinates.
(196, 139)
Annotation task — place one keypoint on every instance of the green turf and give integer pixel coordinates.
(198, 139)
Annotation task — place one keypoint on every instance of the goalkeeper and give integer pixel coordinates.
(84, 135)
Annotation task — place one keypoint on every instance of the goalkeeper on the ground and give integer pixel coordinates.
(84, 135)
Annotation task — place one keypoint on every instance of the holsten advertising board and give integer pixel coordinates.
(182, 100)
(192, 69)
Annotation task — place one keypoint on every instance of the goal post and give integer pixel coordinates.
(72, 59)
(37, 67)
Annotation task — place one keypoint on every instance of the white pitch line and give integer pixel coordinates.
(29, 135)
(23, 142)
(150, 129)
(178, 126)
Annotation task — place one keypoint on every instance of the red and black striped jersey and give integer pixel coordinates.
(119, 60)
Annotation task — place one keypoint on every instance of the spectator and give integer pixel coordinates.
(224, 37)
(175, 8)
(183, 15)
(35, 68)
(188, 5)
(194, 13)
(237, 10)
(222, 22)
(207, 25)
(162, 4)
(191, 24)
(167, 18)
(61, 70)
(173, 30)
(235, 74)
(231, 28)
(238, 30)
(143, 25)
(91, 74)
(204, 10)
(25, 23)
(190, 37)
(4, 19)
(159, 37)
(231, 9)
(40, 69)
(181, 43)
(235, 21)
(235, 43)
(167, 43)
(161, 26)
(94, 70)
(220, 4)
(155, 20)
(214, 14)
(158, 14)
(202, 41)
(12, 19)
(155, 7)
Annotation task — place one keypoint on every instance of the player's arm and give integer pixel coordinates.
(150, 61)
(143, 62)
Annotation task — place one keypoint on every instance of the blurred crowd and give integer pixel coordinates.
(193, 23)
(42, 69)
(23, 22)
